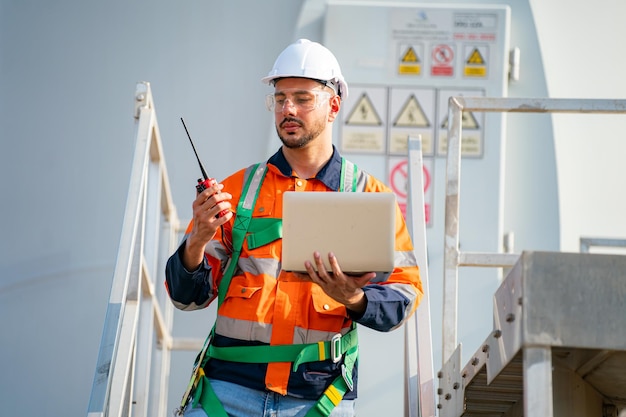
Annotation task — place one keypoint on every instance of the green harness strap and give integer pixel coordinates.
(199, 382)
(241, 224)
(348, 176)
(335, 391)
(298, 354)
(261, 232)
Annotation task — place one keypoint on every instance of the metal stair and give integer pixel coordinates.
(557, 342)
(557, 347)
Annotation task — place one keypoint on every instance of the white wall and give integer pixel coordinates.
(67, 76)
(580, 45)
(67, 79)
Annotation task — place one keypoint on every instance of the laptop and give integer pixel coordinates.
(359, 228)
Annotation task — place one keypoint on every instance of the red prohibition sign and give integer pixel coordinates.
(443, 54)
(399, 178)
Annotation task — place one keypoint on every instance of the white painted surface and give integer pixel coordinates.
(67, 76)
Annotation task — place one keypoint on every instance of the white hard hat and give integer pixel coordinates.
(307, 59)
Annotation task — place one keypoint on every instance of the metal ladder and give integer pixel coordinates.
(132, 371)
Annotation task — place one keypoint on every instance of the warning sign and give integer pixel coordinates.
(442, 60)
(399, 184)
(364, 113)
(412, 115)
(410, 62)
(475, 61)
(364, 127)
(472, 124)
(410, 56)
(476, 58)
(398, 179)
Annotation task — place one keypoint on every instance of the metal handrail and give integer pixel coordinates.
(418, 356)
(586, 243)
(453, 257)
(132, 369)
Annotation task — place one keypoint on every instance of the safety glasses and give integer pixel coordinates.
(302, 100)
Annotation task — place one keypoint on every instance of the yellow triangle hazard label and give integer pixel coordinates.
(364, 113)
(468, 121)
(412, 115)
(476, 58)
(410, 56)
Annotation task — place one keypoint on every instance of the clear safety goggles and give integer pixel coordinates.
(302, 100)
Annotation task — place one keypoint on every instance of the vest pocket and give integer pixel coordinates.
(324, 304)
(241, 291)
(243, 301)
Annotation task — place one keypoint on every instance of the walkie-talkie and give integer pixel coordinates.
(207, 182)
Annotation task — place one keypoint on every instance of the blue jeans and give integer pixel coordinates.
(240, 401)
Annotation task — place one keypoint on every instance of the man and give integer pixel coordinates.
(285, 342)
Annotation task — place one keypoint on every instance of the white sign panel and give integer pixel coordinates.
(412, 113)
(364, 122)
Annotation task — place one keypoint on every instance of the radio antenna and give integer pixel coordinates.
(206, 177)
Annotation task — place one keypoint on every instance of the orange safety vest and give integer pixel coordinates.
(265, 304)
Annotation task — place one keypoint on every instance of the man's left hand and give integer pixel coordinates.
(346, 289)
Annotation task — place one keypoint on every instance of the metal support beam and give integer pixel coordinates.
(538, 381)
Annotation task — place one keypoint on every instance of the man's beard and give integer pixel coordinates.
(296, 143)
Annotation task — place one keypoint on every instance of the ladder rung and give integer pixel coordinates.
(181, 343)
(487, 259)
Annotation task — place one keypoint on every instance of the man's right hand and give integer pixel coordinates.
(206, 207)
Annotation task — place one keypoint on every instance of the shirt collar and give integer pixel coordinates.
(329, 175)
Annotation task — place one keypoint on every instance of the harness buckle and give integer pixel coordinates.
(335, 348)
(347, 377)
